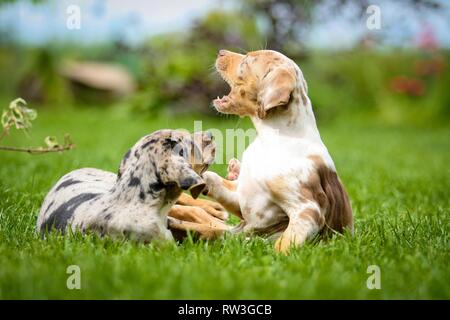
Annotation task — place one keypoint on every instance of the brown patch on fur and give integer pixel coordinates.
(280, 226)
(325, 188)
(314, 216)
(313, 191)
(230, 185)
(300, 91)
(304, 99)
(278, 188)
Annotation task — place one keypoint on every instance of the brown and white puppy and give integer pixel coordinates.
(287, 185)
(136, 202)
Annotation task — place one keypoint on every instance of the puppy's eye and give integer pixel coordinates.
(181, 153)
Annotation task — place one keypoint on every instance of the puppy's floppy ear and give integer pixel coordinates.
(276, 90)
(190, 180)
(184, 177)
(197, 190)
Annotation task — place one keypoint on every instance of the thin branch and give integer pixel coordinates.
(38, 150)
(4, 132)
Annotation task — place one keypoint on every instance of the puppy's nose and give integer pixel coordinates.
(222, 52)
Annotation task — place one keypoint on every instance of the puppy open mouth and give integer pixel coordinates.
(220, 102)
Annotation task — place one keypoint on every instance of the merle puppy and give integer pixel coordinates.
(134, 203)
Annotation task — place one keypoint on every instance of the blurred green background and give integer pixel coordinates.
(396, 74)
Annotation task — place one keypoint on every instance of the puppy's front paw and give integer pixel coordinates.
(234, 168)
(211, 179)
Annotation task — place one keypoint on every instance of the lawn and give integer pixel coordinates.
(398, 179)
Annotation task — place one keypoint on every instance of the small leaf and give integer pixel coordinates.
(5, 119)
(15, 103)
(31, 114)
(51, 142)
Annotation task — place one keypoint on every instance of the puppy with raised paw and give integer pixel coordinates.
(286, 186)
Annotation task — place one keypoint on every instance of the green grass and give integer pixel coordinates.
(397, 177)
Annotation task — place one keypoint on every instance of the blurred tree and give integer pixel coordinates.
(2, 2)
(174, 73)
(287, 21)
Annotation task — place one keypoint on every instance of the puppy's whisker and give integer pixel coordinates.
(212, 73)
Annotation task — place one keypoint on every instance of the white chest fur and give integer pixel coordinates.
(270, 156)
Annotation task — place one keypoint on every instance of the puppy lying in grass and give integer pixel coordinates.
(136, 202)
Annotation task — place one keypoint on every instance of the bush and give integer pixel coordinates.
(389, 85)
